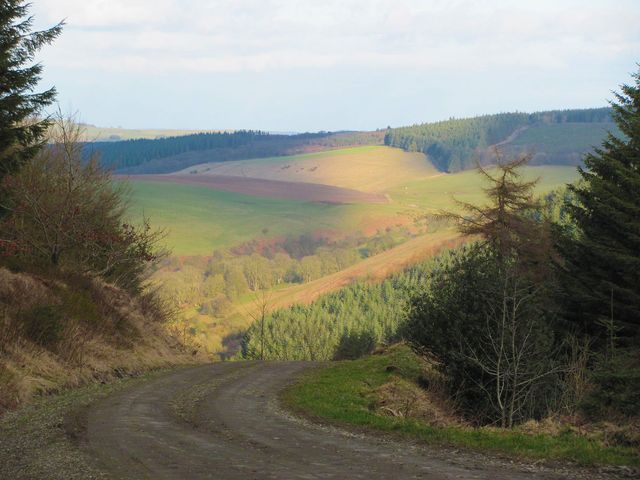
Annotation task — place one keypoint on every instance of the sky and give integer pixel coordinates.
(293, 65)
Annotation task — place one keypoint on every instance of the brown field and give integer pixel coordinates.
(300, 191)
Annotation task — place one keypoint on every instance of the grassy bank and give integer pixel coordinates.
(345, 393)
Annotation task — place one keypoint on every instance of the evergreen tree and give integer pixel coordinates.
(21, 131)
(603, 260)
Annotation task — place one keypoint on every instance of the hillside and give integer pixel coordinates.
(225, 243)
(171, 154)
(199, 219)
(59, 333)
(555, 137)
(368, 168)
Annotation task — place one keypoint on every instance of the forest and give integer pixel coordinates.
(346, 324)
(213, 286)
(171, 154)
(536, 316)
(456, 144)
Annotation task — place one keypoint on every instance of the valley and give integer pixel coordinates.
(377, 205)
(319, 240)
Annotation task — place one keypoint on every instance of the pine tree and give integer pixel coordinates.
(603, 261)
(22, 128)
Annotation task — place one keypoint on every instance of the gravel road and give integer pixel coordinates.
(222, 421)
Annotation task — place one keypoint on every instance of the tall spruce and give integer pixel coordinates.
(22, 127)
(603, 260)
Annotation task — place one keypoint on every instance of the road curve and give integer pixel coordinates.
(222, 421)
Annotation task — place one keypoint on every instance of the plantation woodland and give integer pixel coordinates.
(456, 144)
(546, 297)
(558, 137)
(175, 153)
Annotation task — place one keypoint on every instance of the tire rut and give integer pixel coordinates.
(222, 421)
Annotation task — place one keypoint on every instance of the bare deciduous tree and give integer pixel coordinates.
(514, 348)
(65, 212)
(262, 305)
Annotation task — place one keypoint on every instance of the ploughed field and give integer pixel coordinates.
(259, 187)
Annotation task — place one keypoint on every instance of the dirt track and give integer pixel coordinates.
(223, 421)
(306, 192)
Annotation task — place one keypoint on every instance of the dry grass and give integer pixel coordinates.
(402, 398)
(101, 333)
(370, 169)
(626, 434)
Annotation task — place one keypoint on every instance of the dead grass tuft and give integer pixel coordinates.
(423, 398)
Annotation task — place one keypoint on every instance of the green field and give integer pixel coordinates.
(345, 392)
(441, 193)
(199, 220)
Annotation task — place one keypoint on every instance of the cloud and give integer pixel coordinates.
(251, 35)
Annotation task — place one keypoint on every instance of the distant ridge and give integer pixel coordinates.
(171, 154)
(553, 137)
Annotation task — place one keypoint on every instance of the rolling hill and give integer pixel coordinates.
(164, 155)
(200, 219)
(554, 137)
(244, 211)
(367, 168)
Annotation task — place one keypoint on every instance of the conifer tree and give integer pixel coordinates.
(603, 261)
(22, 129)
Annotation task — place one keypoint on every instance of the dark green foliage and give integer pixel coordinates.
(617, 386)
(176, 153)
(44, 324)
(465, 320)
(555, 209)
(456, 144)
(21, 134)
(131, 153)
(346, 323)
(355, 345)
(602, 262)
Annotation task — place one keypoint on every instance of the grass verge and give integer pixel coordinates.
(342, 393)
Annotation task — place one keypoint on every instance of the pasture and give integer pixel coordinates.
(368, 168)
(199, 219)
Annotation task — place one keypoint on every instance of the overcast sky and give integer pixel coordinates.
(292, 65)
